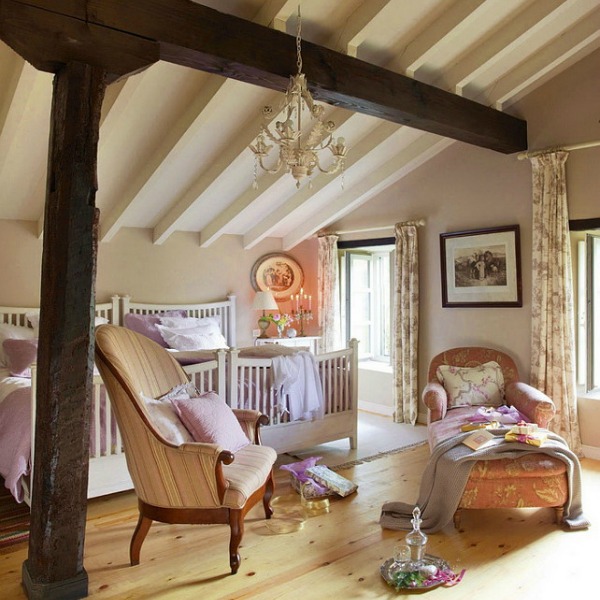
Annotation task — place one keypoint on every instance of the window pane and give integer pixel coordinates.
(360, 302)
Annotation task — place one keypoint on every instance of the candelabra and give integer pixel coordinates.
(299, 311)
(302, 315)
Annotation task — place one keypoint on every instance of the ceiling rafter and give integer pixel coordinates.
(412, 157)
(547, 62)
(212, 91)
(188, 126)
(169, 222)
(493, 47)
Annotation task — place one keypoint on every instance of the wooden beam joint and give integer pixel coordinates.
(49, 41)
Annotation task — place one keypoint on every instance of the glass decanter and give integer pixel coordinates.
(416, 540)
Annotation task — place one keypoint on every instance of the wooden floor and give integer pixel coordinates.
(506, 553)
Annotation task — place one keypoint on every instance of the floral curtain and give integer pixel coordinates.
(553, 340)
(406, 324)
(329, 293)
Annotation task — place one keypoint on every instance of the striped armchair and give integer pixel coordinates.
(187, 483)
(533, 480)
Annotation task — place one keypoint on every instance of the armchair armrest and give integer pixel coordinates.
(436, 400)
(531, 402)
(251, 421)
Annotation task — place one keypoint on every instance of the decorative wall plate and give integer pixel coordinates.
(279, 273)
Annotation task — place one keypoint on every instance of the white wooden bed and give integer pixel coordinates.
(338, 374)
(107, 466)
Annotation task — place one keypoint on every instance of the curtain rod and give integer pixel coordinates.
(532, 153)
(417, 223)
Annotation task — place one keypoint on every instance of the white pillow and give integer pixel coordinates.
(163, 415)
(192, 338)
(13, 332)
(186, 390)
(473, 386)
(212, 324)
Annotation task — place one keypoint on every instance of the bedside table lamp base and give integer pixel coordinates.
(264, 301)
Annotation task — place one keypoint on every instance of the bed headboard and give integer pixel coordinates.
(224, 309)
(17, 315)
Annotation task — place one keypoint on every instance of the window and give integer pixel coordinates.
(366, 307)
(588, 312)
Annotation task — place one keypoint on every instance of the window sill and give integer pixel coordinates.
(374, 365)
(595, 395)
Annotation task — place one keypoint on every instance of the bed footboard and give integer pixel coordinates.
(250, 385)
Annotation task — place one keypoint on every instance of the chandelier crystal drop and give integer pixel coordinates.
(298, 152)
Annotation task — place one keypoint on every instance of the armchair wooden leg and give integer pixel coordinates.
(236, 524)
(559, 512)
(268, 495)
(139, 535)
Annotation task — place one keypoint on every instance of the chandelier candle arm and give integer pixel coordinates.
(299, 154)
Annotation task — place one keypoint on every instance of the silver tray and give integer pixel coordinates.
(390, 566)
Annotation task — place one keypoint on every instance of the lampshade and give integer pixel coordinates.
(264, 301)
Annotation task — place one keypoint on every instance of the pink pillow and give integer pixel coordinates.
(146, 324)
(211, 421)
(20, 354)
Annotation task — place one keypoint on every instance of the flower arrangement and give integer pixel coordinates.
(280, 320)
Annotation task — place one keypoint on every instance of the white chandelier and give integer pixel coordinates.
(297, 153)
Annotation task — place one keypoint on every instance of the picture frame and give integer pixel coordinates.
(279, 273)
(481, 268)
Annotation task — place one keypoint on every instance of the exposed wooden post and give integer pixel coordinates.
(54, 568)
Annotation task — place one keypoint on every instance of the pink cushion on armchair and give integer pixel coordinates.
(211, 421)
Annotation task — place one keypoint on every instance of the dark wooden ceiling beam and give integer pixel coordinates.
(199, 37)
(49, 40)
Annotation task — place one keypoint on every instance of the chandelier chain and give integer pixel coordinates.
(298, 42)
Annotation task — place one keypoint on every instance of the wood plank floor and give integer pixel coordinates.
(506, 553)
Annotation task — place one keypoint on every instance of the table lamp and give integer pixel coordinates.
(264, 301)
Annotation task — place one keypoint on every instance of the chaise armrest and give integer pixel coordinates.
(531, 402)
(436, 400)
(251, 421)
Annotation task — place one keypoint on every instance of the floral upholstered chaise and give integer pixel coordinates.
(465, 383)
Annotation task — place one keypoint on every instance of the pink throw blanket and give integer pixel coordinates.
(15, 433)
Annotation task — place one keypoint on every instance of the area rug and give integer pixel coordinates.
(377, 456)
(14, 519)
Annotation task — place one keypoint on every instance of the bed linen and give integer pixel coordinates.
(15, 431)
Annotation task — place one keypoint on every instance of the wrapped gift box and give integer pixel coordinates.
(334, 481)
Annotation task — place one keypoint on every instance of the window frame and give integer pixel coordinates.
(377, 339)
(587, 317)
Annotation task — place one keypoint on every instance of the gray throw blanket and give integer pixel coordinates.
(448, 469)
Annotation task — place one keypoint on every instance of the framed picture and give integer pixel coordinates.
(481, 268)
(279, 273)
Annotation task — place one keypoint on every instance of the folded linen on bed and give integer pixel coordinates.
(297, 378)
